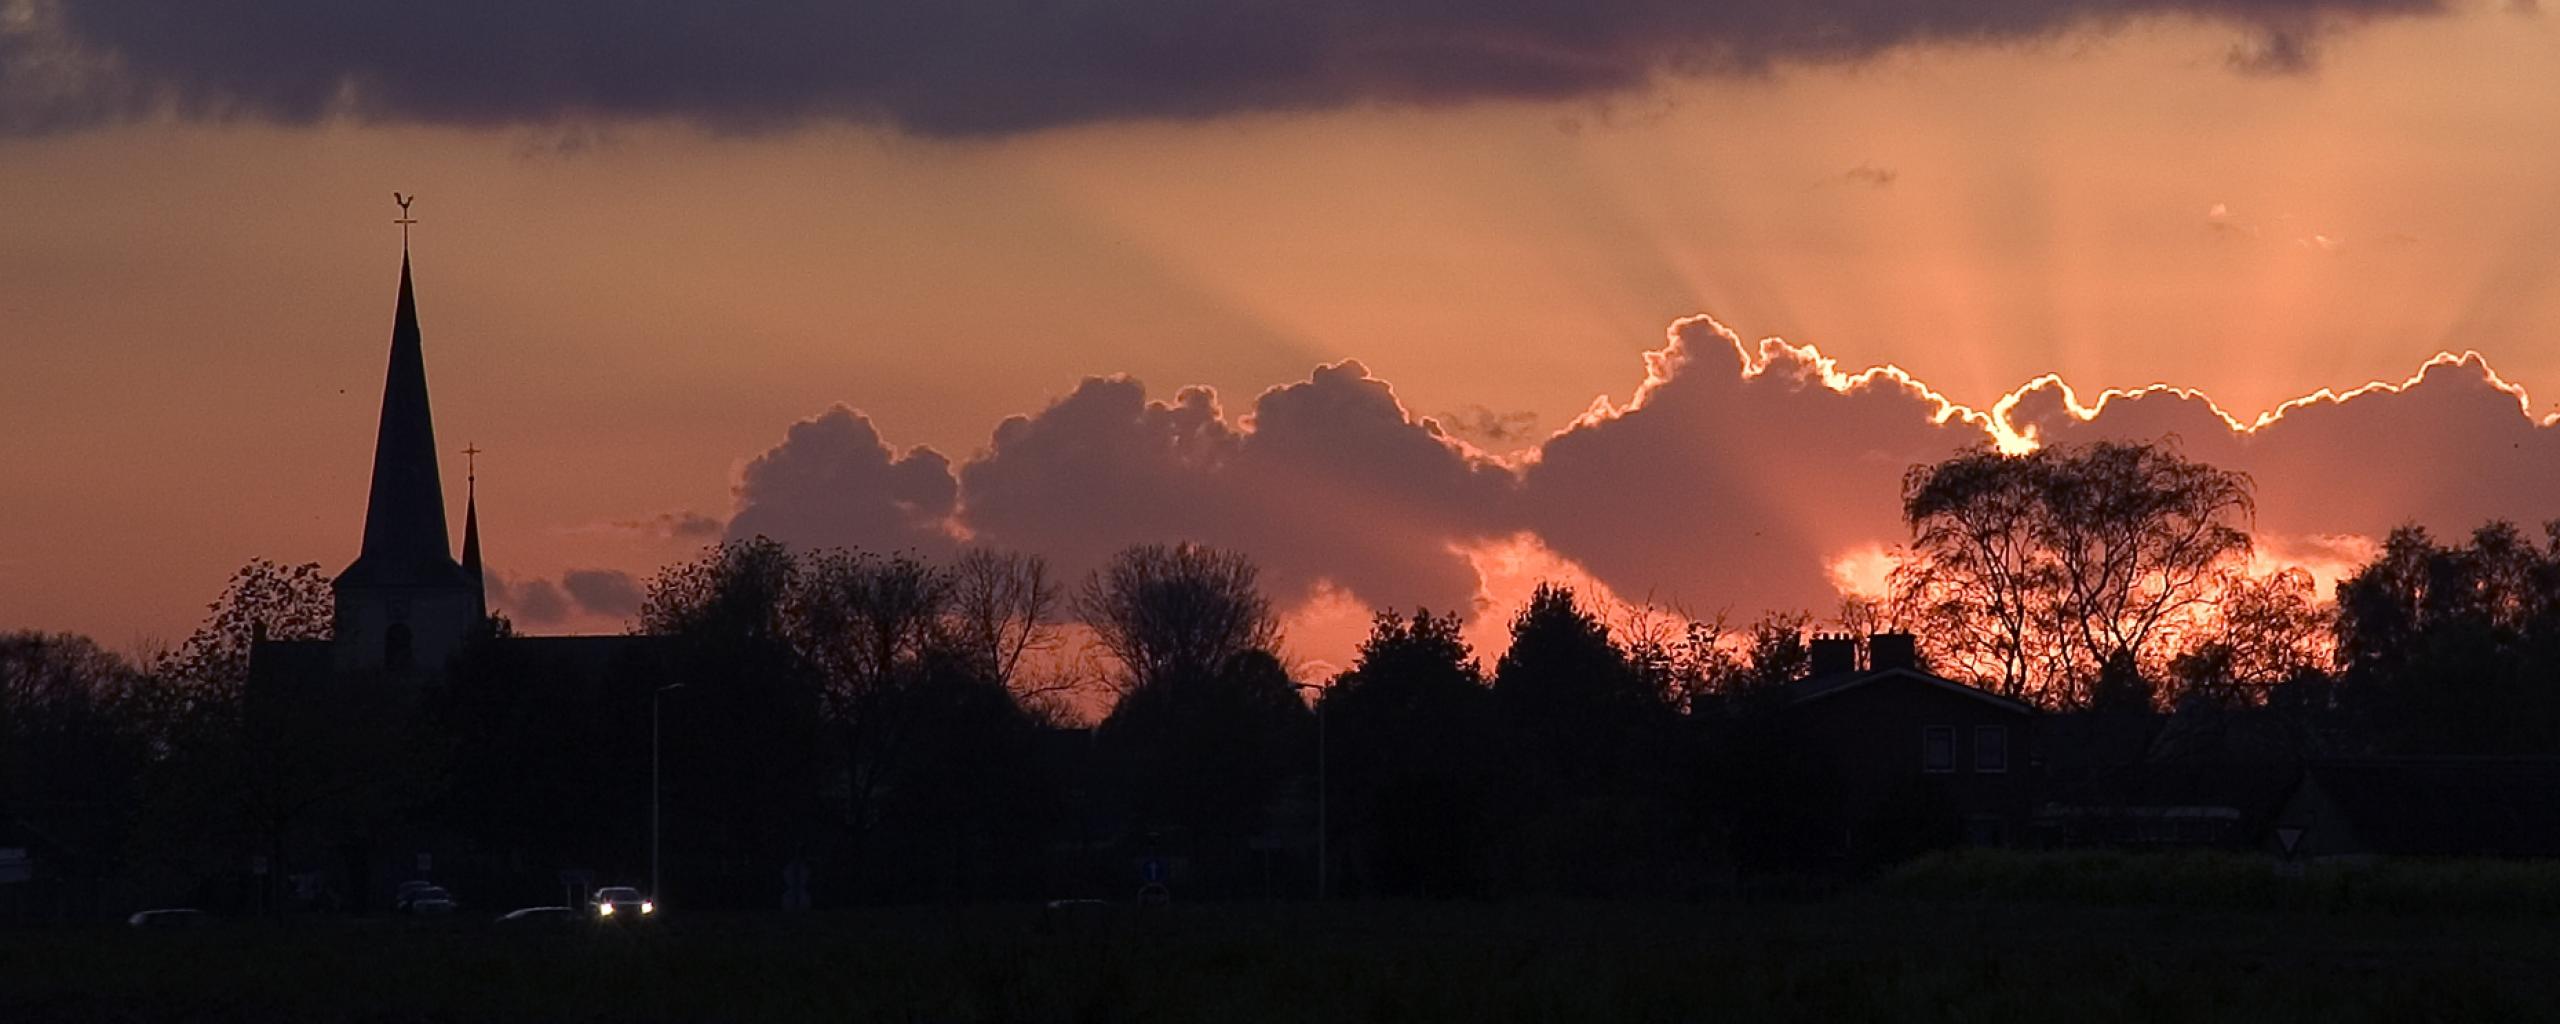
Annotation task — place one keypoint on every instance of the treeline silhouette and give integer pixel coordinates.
(907, 730)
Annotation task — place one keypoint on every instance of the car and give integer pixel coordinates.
(621, 903)
(170, 917)
(539, 917)
(407, 891)
(1074, 917)
(430, 901)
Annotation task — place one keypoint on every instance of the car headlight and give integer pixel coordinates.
(604, 910)
(647, 907)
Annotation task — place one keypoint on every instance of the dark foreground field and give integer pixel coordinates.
(1863, 957)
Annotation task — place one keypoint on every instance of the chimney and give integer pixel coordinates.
(1893, 650)
(1834, 654)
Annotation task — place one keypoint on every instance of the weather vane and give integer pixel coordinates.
(405, 220)
(471, 460)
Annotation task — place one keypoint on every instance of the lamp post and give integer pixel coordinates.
(654, 892)
(1324, 794)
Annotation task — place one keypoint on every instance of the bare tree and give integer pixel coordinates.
(871, 626)
(864, 619)
(2269, 630)
(1004, 606)
(1162, 610)
(2033, 572)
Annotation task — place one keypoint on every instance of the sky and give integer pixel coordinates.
(1414, 301)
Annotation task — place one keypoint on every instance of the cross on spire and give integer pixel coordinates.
(471, 463)
(405, 220)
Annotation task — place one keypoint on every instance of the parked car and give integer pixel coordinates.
(407, 891)
(621, 903)
(1074, 917)
(431, 901)
(539, 917)
(170, 917)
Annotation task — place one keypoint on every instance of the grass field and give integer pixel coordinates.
(1904, 951)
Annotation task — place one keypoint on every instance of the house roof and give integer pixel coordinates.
(2446, 806)
(1822, 687)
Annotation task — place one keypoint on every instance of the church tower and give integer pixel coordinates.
(405, 605)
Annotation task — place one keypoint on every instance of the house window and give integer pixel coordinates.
(1990, 748)
(1938, 748)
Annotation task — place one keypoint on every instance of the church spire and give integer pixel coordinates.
(405, 542)
(404, 606)
(472, 515)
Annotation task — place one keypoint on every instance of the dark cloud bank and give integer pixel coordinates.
(1737, 476)
(982, 67)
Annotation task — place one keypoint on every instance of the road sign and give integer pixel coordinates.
(2288, 838)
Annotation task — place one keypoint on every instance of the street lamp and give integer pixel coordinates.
(656, 894)
(1324, 863)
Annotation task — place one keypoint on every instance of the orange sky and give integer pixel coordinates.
(193, 316)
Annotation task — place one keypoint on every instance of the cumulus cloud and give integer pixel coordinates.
(981, 67)
(608, 592)
(1736, 477)
(833, 482)
(1330, 479)
(530, 601)
(2448, 448)
(579, 593)
(1738, 473)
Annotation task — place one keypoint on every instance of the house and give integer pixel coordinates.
(2203, 777)
(2366, 808)
(1909, 759)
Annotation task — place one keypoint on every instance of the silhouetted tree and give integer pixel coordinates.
(1206, 754)
(2451, 649)
(1568, 693)
(2267, 631)
(2034, 572)
(1590, 741)
(741, 740)
(935, 750)
(1004, 607)
(1410, 734)
(290, 766)
(262, 601)
(1208, 724)
(960, 806)
(867, 625)
(1775, 652)
(1183, 610)
(1688, 661)
(74, 746)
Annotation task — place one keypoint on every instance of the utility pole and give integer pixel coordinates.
(654, 817)
(1324, 795)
